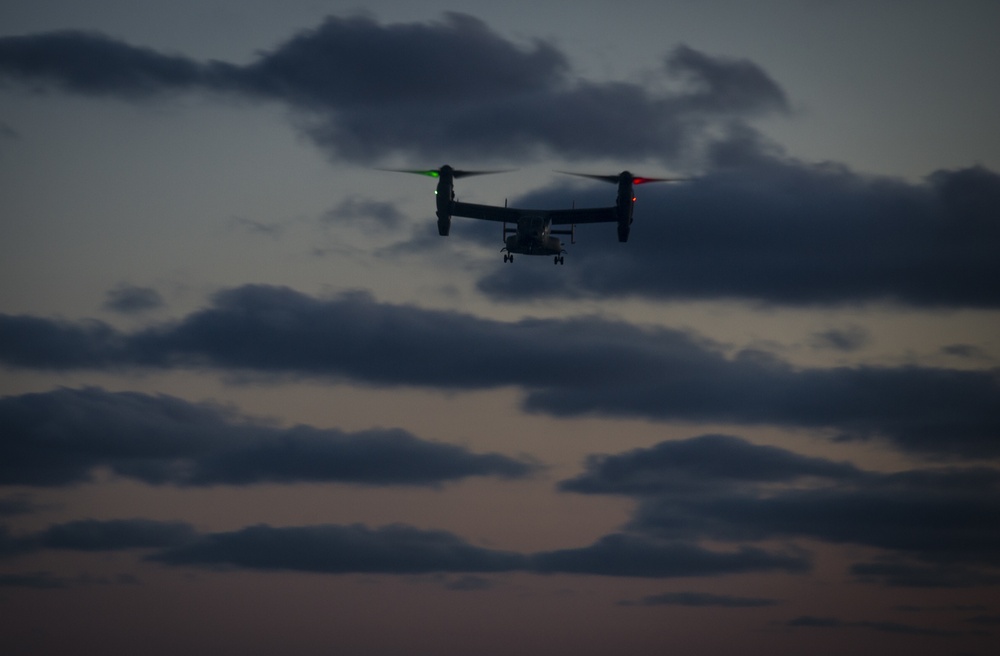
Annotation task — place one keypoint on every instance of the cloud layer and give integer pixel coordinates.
(778, 231)
(61, 437)
(604, 367)
(758, 227)
(448, 87)
(929, 527)
(933, 526)
(392, 549)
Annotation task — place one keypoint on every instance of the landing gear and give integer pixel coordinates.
(508, 257)
(559, 259)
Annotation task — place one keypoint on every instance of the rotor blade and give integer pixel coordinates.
(436, 173)
(640, 180)
(432, 173)
(466, 174)
(604, 178)
(615, 178)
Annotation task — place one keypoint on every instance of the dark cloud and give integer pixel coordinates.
(935, 524)
(129, 299)
(933, 528)
(967, 351)
(400, 549)
(269, 230)
(701, 600)
(113, 535)
(336, 549)
(623, 554)
(60, 437)
(725, 85)
(841, 339)
(55, 344)
(604, 367)
(914, 512)
(394, 549)
(448, 87)
(456, 88)
(358, 62)
(94, 64)
(783, 232)
(366, 212)
(707, 462)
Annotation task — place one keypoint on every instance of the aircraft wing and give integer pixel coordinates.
(584, 215)
(487, 212)
(556, 217)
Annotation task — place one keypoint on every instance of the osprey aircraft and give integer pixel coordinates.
(533, 232)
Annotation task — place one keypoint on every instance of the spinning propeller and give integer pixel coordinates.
(624, 175)
(436, 173)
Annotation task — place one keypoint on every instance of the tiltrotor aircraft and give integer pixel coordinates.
(533, 233)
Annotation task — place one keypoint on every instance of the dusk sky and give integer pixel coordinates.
(251, 402)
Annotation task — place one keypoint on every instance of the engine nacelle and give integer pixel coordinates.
(444, 225)
(623, 229)
(445, 197)
(624, 205)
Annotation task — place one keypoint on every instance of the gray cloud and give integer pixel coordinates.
(932, 527)
(935, 525)
(94, 64)
(60, 437)
(624, 554)
(113, 535)
(966, 351)
(448, 87)
(93, 535)
(130, 299)
(938, 515)
(402, 549)
(605, 367)
(778, 231)
(725, 85)
(335, 549)
(841, 339)
(393, 549)
(367, 212)
(701, 463)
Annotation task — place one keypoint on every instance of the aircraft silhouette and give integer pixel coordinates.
(534, 233)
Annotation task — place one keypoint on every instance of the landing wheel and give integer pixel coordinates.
(559, 259)
(508, 257)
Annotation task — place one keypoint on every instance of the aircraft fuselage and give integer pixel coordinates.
(532, 237)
